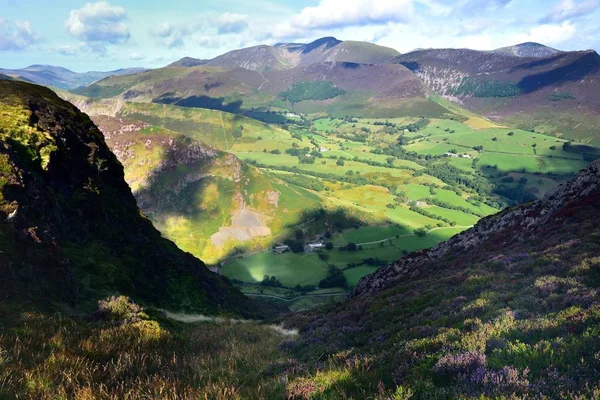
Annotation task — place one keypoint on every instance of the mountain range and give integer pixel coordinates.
(62, 78)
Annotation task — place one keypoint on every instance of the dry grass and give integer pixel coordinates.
(53, 357)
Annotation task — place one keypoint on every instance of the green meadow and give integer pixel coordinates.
(377, 183)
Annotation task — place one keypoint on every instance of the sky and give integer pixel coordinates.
(107, 35)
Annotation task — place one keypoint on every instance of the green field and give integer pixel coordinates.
(291, 269)
(368, 181)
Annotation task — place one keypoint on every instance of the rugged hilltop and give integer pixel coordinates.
(290, 55)
(508, 309)
(71, 230)
(555, 93)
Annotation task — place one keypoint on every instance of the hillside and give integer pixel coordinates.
(72, 232)
(339, 88)
(290, 55)
(207, 201)
(508, 309)
(62, 78)
(555, 94)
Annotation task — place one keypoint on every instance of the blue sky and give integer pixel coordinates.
(107, 35)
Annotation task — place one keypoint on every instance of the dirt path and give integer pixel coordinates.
(223, 127)
(197, 318)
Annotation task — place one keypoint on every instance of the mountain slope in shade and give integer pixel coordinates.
(528, 49)
(290, 55)
(508, 309)
(71, 230)
(556, 94)
(61, 77)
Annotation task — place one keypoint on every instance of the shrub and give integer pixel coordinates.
(120, 309)
(460, 364)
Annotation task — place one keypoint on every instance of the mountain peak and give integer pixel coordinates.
(528, 49)
(328, 42)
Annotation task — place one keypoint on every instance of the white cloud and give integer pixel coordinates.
(331, 14)
(568, 9)
(98, 23)
(232, 23)
(548, 34)
(136, 56)
(66, 50)
(16, 35)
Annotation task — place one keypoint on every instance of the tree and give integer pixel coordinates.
(329, 246)
(238, 132)
(420, 232)
(340, 162)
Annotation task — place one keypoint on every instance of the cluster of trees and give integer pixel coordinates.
(416, 126)
(270, 281)
(335, 278)
(487, 88)
(311, 90)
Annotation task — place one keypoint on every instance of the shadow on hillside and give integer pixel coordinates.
(572, 72)
(211, 103)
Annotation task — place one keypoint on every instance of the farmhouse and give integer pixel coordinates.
(312, 247)
(280, 249)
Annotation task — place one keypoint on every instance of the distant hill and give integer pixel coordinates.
(71, 230)
(528, 49)
(187, 62)
(61, 77)
(555, 94)
(339, 88)
(290, 55)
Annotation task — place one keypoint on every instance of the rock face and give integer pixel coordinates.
(70, 228)
(514, 225)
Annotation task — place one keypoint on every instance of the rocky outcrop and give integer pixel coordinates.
(512, 225)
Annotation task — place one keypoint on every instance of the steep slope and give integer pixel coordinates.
(508, 309)
(290, 55)
(61, 77)
(555, 94)
(71, 229)
(528, 49)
